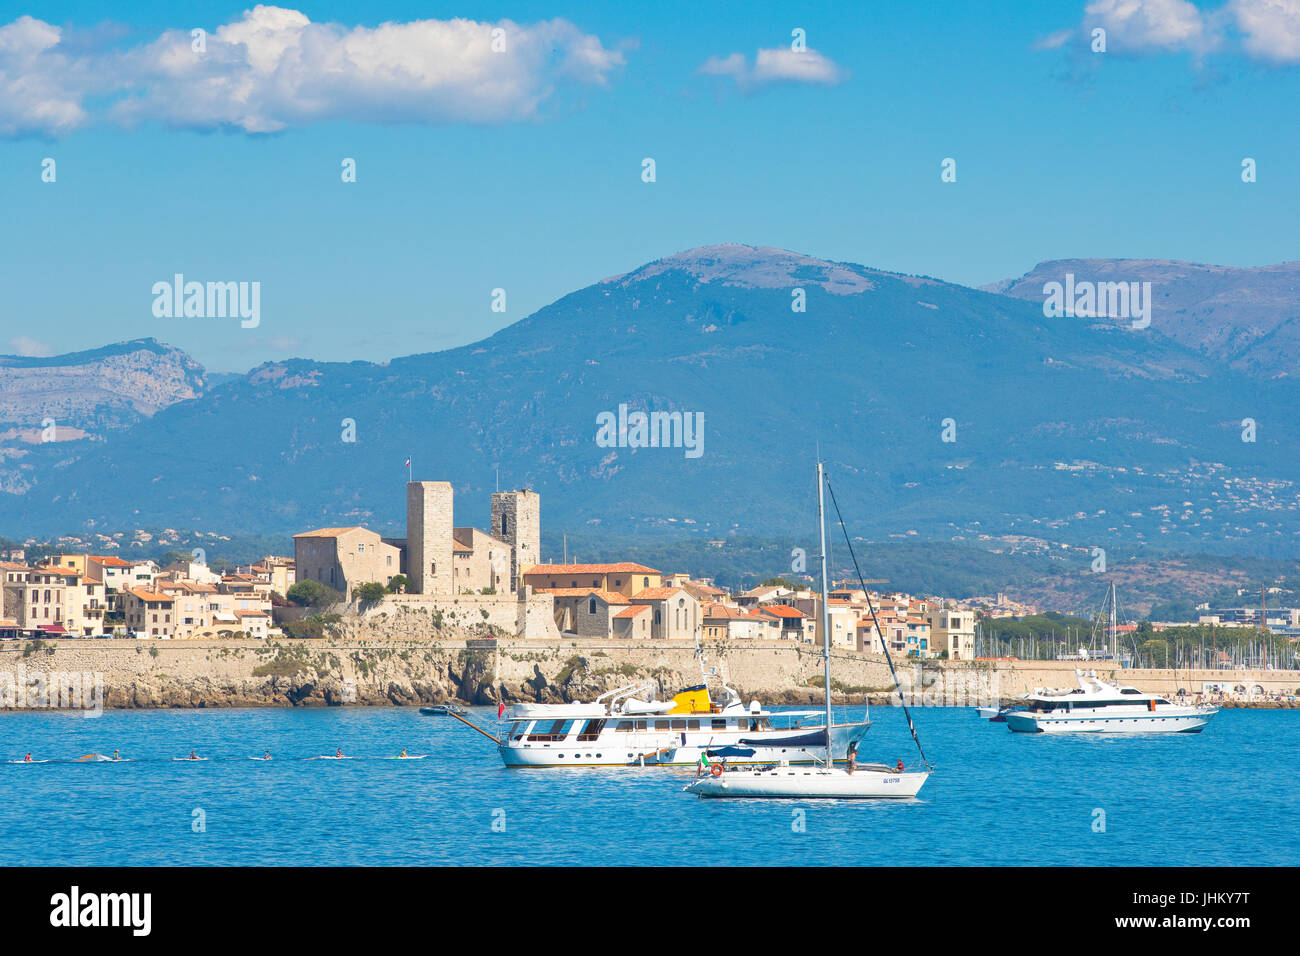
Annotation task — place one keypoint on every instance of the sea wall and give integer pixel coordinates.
(364, 662)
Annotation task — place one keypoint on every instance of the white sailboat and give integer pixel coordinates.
(856, 781)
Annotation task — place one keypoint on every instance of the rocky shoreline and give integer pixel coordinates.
(354, 667)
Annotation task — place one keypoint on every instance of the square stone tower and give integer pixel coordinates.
(517, 519)
(428, 536)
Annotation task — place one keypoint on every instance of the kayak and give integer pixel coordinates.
(31, 761)
(190, 759)
(410, 757)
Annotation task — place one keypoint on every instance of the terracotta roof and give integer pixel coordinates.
(627, 567)
(60, 571)
(108, 561)
(144, 595)
(329, 532)
(191, 586)
(633, 610)
(723, 611)
(655, 594)
(609, 597)
(250, 614)
(782, 610)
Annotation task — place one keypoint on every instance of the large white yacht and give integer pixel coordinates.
(1098, 707)
(621, 729)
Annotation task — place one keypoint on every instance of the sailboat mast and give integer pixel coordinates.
(1114, 628)
(826, 607)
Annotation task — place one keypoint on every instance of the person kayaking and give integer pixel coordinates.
(116, 755)
(338, 752)
(268, 755)
(28, 758)
(403, 752)
(193, 755)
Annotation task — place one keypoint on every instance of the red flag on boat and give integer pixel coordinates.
(501, 709)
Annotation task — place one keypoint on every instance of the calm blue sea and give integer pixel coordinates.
(1226, 796)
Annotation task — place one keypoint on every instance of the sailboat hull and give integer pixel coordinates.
(799, 783)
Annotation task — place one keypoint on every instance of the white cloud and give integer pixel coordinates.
(779, 65)
(1151, 24)
(1270, 28)
(40, 87)
(29, 347)
(1054, 40)
(1267, 30)
(273, 69)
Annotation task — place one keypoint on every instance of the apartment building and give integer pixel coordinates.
(952, 632)
(54, 599)
(149, 613)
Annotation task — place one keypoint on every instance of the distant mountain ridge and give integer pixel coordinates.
(84, 396)
(1248, 318)
(943, 411)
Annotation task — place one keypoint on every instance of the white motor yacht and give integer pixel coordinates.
(1096, 706)
(619, 729)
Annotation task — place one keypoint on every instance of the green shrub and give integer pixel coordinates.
(313, 594)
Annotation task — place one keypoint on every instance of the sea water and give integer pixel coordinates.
(1224, 796)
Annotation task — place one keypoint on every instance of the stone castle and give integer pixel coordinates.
(436, 557)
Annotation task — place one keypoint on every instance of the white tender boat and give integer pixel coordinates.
(621, 730)
(828, 782)
(1096, 706)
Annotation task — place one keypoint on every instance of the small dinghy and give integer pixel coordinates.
(442, 710)
(997, 715)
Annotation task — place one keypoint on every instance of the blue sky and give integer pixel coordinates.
(1061, 152)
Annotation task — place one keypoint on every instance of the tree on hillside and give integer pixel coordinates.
(779, 582)
(372, 592)
(310, 593)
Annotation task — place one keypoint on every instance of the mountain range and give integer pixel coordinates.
(943, 412)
